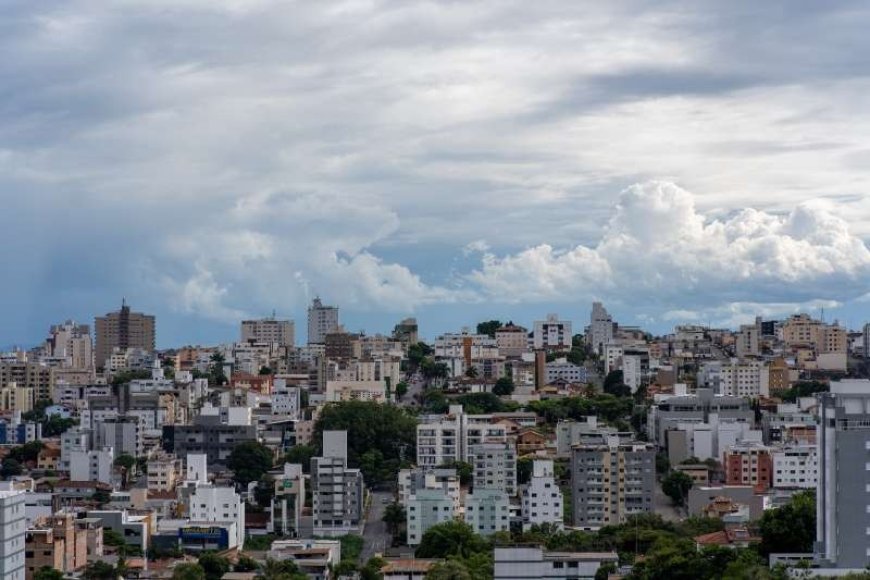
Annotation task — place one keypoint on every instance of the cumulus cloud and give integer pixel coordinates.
(657, 247)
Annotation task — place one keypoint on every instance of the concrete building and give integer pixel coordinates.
(749, 464)
(866, 340)
(122, 434)
(212, 504)
(746, 341)
(671, 410)
(795, 467)
(600, 331)
(12, 531)
(164, 472)
(635, 368)
(542, 501)
(70, 343)
(269, 331)
(611, 482)
(14, 398)
(746, 378)
(38, 378)
(424, 509)
(495, 466)
(444, 479)
(533, 563)
(286, 399)
(92, 465)
(338, 492)
(552, 334)
(322, 320)
(208, 436)
(122, 330)
(565, 371)
(512, 341)
(487, 511)
(843, 495)
(288, 501)
(407, 332)
(448, 438)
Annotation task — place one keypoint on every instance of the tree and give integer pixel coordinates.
(302, 455)
(125, 462)
(479, 403)
(245, 564)
(791, 528)
(281, 570)
(676, 485)
(503, 387)
(605, 570)
(248, 461)
(614, 384)
(264, 370)
(10, 467)
(453, 538)
(464, 470)
(372, 569)
(216, 370)
(449, 570)
(47, 573)
(471, 372)
(214, 566)
(265, 491)
(401, 389)
(394, 517)
(489, 327)
(381, 438)
(524, 470)
(188, 572)
(99, 570)
(416, 353)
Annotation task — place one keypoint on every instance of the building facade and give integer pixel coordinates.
(122, 330)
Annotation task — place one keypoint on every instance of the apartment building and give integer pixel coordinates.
(494, 466)
(71, 344)
(448, 438)
(843, 495)
(669, 411)
(744, 378)
(512, 341)
(610, 482)
(426, 508)
(13, 531)
(39, 379)
(747, 340)
(288, 501)
(600, 331)
(552, 334)
(487, 511)
(337, 491)
(93, 465)
(541, 499)
(445, 479)
(795, 467)
(208, 436)
(749, 464)
(122, 330)
(268, 330)
(213, 504)
(322, 320)
(164, 472)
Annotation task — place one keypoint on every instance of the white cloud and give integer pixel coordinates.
(657, 247)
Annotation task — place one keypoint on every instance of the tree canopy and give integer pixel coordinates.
(790, 528)
(503, 387)
(489, 327)
(248, 461)
(676, 485)
(381, 438)
(453, 538)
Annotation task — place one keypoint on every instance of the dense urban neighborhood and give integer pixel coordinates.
(495, 452)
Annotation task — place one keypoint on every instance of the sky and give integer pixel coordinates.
(211, 160)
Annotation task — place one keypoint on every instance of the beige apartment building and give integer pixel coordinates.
(29, 375)
(122, 329)
(801, 330)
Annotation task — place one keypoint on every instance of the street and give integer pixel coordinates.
(375, 537)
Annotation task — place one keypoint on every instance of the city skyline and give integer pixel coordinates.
(681, 163)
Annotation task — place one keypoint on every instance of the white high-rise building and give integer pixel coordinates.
(269, 331)
(795, 467)
(748, 378)
(600, 327)
(322, 320)
(746, 340)
(337, 491)
(12, 533)
(449, 438)
(211, 504)
(542, 501)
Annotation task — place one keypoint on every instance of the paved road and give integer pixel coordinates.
(375, 537)
(415, 388)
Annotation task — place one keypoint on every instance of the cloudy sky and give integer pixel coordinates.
(215, 159)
